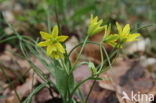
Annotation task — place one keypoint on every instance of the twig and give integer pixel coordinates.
(90, 91)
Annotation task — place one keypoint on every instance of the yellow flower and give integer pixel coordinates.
(110, 38)
(124, 33)
(123, 36)
(53, 43)
(95, 26)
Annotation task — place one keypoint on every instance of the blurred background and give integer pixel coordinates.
(134, 69)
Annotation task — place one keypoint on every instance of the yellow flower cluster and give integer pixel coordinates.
(53, 43)
(56, 50)
(115, 40)
(124, 33)
(95, 26)
(123, 36)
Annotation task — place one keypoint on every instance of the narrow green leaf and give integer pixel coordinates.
(34, 92)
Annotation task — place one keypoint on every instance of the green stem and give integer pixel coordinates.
(57, 17)
(90, 91)
(107, 56)
(84, 43)
(64, 66)
(65, 11)
(79, 84)
(48, 19)
(68, 91)
(81, 95)
(101, 52)
(102, 59)
(87, 42)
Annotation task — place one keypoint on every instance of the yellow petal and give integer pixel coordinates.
(59, 55)
(132, 37)
(119, 28)
(110, 38)
(42, 44)
(62, 38)
(91, 29)
(96, 19)
(50, 48)
(56, 55)
(100, 22)
(60, 47)
(44, 35)
(107, 29)
(52, 56)
(55, 31)
(126, 29)
(113, 44)
(95, 28)
(93, 19)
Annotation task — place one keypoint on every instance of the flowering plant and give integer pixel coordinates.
(63, 68)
